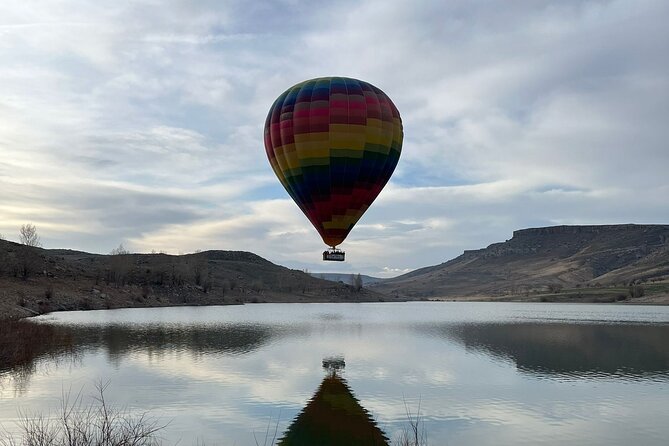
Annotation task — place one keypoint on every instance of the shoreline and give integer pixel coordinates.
(659, 300)
(24, 299)
(24, 313)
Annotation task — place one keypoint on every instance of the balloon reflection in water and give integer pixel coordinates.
(333, 416)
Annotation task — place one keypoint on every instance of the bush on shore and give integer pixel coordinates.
(79, 424)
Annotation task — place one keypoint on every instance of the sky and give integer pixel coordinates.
(141, 123)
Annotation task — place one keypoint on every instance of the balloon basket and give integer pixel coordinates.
(334, 255)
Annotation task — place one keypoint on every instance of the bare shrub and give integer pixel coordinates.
(79, 424)
(267, 441)
(28, 235)
(119, 251)
(413, 434)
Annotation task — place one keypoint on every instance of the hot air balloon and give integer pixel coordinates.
(333, 142)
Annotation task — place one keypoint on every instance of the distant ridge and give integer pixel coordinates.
(346, 278)
(582, 229)
(536, 259)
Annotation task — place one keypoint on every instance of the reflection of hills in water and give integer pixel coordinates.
(22, 343)
(332, 417)
(157, 339)
(562, 349)
(30, 342)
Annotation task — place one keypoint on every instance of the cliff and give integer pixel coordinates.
(542, 259)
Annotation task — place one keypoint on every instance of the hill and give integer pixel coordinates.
(347, 278)
(35, 280)
(551, 263)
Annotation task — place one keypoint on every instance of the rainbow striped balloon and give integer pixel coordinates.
(333, 142)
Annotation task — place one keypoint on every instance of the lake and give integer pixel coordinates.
(480, 373)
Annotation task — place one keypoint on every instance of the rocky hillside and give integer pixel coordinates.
(545, 259)
(35, 280)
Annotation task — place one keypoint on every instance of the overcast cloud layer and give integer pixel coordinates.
(141, 122)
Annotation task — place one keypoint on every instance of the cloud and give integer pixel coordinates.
(138, 124)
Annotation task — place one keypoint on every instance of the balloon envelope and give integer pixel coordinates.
(333, 142)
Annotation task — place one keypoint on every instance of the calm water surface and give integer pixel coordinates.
(484, 373)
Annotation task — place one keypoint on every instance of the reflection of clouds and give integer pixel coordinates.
(262, 385)
(506, 413)
(439, 377)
